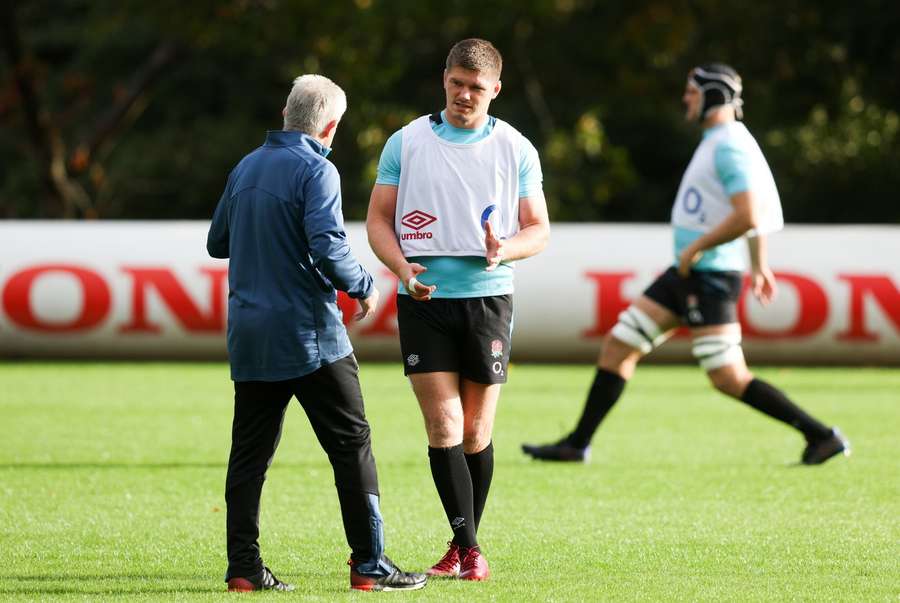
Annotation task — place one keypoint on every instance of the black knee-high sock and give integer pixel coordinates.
(481, 468)
(454, 486)
(604, 392)
(772, 401)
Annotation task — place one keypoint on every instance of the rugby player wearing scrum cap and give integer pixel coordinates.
(727, 195)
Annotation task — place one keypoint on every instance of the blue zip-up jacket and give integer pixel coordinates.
(280, 223)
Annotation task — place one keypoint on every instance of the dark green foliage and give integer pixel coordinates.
(595, 85)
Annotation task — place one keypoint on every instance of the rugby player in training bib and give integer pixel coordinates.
(727, 195)
(457, 199)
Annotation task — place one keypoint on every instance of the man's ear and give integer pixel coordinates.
(328, 129)
(284, 112)
(497, 87)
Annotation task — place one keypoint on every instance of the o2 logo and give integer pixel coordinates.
(692, 202)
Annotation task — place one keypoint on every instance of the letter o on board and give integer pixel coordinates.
(17, 299)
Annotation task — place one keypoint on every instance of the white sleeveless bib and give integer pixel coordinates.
(445, 189)
(702, 203)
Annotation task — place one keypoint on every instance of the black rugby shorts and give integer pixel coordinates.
(702, 299)
(469, 336)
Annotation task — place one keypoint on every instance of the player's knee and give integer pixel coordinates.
(618, 357)
(727, 385)
(476, 443)
(442, 433)
(476, 437)
(721, 351)
(443, 428)
(635, 330)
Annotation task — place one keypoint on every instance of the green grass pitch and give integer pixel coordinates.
(111, 479)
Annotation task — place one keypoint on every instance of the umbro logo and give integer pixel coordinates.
(412, 359)
(417, 220)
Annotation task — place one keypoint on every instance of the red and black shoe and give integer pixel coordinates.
(473, 566)
(264, 580)
(383, 576)
(448, 566)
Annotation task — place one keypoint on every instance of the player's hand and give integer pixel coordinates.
(764, 287)
(689, 256)
(494, 247)
(368, 305)
(418, 291)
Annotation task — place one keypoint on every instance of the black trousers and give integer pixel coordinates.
(333, 401)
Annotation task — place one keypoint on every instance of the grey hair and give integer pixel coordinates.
(313, 102)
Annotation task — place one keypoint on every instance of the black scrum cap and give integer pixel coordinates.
(720, 86)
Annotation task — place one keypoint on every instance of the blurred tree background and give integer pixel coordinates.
(139, 110)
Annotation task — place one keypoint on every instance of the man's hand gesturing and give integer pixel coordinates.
(494, 247)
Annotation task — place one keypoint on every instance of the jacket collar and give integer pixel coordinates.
(290, 138)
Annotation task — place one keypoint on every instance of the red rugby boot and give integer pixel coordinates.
(448, 566)
(474, 566)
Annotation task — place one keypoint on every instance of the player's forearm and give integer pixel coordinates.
(732, 227)
(529, 241)
(742, 218)
(759, 251)
(383, 241)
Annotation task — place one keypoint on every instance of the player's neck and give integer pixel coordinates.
(717, 118)
(465, 125)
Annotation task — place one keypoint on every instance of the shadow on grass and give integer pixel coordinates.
(126, 576)
(81, 584)
(166, 583)
(111, 591)
(67, 466)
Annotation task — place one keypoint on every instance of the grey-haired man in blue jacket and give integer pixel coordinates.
(279, 222)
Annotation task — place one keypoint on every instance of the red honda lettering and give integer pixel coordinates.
(176, 299)
(608, 301)
(811, 313)
(879, 288)
(95, 295)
